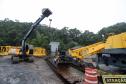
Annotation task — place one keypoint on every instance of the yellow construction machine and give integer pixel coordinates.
(112, 52)
(83, 52)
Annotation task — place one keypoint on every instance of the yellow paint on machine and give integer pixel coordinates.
(85, 51)
(116, 41)
(112, 42)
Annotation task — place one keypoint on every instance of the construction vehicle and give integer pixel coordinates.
(24, 47)
(76, 56)
(112, 53)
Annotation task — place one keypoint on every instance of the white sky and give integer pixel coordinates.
(89, 15)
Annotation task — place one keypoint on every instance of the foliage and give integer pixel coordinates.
(114, 29)
(12, 32)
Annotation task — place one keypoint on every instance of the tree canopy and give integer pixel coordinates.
(12, 32)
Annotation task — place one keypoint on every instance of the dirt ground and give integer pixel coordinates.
(26, 73)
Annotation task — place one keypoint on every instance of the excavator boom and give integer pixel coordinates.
(24, 48)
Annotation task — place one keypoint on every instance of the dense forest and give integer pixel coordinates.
(12, 32)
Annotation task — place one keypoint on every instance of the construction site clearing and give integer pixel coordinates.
(76, 66)
(98, 63)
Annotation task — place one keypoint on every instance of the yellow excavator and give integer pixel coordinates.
(112, 52)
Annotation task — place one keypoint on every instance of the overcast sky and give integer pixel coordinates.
(89, 15)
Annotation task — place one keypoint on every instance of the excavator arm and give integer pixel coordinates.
(83, 52)
(23, 56)
(45, 13)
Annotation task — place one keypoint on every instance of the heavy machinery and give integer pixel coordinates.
(111, 53)
(114, 54)
(24, 47)
(76, 56)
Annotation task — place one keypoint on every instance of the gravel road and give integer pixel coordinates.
(26, 73)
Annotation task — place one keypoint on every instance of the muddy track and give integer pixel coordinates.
(68, 75)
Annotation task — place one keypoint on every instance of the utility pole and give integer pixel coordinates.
(50, 20)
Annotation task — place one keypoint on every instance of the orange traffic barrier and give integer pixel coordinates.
(91, 76)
